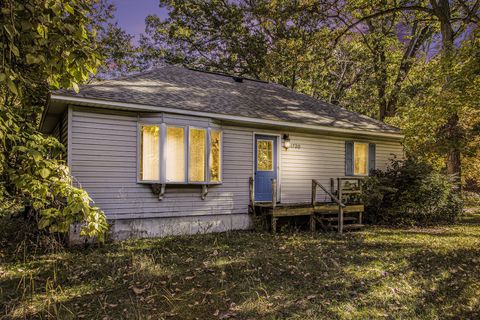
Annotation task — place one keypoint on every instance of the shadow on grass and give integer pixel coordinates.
(250, 275)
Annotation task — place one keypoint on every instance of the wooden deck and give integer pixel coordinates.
(344, 212)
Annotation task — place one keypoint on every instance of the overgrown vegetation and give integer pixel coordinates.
(45, 45)
(428, 273)
(410, 192)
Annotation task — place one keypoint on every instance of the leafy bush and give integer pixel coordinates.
(471, 199)
(33, 175)
(410, 193)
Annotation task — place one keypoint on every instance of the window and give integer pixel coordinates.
(180, 154)
(150, 155)
(175, 154)
(215, 155)
(360, 158)
(197, 153)
(264, 155)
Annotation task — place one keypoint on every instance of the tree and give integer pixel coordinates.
(119, 54)
(453, 19)
(45, 44)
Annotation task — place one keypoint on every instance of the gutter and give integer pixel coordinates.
(241, 119)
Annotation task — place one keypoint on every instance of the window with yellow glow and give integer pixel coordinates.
(197, 151)
(149, 153)
(175, 154)
(215, 155)
(360, 157)
(264, 155)
(179, 154)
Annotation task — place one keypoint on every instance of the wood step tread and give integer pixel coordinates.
(335, 219)
(353, 226)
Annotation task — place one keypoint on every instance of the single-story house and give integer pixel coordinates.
(175, 150)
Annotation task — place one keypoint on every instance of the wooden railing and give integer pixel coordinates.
(341, 205)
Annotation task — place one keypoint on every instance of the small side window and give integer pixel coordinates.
(149, 153)
(215, 156)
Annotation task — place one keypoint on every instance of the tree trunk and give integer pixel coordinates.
(442, 11)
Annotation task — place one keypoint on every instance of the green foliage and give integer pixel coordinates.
(44, 44)
(425, 112)
(410, 193)
(384, 67)
(34, 176)
(119, 55)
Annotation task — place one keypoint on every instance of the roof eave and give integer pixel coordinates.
(243, 119)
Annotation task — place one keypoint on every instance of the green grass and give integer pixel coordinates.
(431, 273)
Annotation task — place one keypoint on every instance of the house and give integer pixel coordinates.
(172, 150)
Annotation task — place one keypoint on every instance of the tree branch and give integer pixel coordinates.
(382, 13)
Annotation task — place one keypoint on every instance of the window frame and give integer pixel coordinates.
(163, 154)
(367, 159)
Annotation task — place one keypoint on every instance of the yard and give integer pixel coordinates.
(429, 273)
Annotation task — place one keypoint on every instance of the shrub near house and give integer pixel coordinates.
(410, 193)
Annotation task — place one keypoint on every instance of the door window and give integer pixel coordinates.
(264, 155)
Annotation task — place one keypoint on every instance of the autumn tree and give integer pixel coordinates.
(454, 19)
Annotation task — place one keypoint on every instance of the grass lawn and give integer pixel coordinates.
(429, 273)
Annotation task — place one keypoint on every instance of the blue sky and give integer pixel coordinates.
(131, 14)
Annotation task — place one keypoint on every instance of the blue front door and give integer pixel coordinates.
(265, 166)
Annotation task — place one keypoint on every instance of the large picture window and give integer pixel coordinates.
(150, 153)
(180, 154)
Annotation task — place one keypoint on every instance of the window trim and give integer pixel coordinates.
(367, 159)
(163, 158)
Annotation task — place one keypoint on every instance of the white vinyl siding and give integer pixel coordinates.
(104, 162)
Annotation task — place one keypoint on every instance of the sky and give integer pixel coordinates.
(131, 14)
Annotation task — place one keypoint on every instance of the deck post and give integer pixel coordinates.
(313, 225)
(274, 193)
(332, 188)
(340, 220)
(314, 193)
(274, 224)
(252, 194)
(340, 208)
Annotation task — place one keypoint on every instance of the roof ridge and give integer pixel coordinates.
(224, 74)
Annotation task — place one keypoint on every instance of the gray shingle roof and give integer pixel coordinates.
(187, 89)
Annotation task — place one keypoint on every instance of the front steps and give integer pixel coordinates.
(329, 222)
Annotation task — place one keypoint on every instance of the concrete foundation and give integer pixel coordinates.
(162, 227)
(123, 229)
